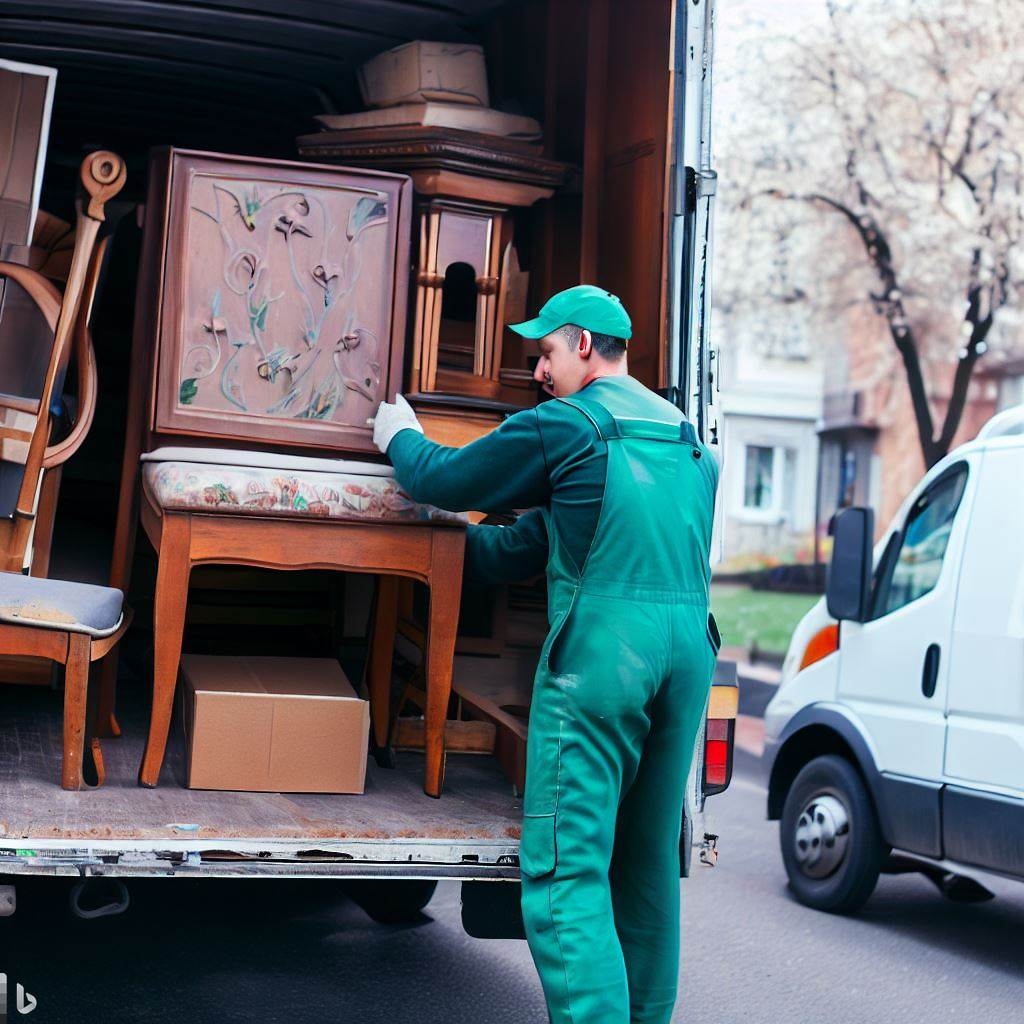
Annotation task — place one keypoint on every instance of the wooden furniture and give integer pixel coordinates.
(466, 275)
(42, 618)
(73, 624)
(270, 319)
(83, 354)
(37, 316)
(431, 553)
(38, 671)
(37, 331)
(26, 99)
(510, 722)
(278, 317)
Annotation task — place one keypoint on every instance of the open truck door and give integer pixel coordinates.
(692, 360)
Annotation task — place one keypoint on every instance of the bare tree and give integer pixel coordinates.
(899, 127)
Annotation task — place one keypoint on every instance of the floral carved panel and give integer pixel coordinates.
(282, 305)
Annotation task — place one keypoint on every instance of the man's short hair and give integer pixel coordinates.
(605, 345)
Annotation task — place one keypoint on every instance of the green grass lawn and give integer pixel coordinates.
(748, 616)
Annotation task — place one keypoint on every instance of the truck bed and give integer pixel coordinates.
(121, 829)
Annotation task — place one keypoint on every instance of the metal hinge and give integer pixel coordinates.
(701, 184)
(707, 183)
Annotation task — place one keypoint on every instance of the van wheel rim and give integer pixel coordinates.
(822, 836)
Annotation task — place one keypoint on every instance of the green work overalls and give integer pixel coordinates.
(619, 694)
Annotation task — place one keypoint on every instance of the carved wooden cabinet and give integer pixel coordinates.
(276, 321)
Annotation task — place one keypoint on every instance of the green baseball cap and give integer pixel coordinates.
(585, 306)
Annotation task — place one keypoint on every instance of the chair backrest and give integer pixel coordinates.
(37, 331)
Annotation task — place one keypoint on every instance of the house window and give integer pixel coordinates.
(769, 481)
(757, 484)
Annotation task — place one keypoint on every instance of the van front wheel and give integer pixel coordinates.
(832, 846)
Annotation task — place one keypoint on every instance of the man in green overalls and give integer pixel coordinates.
(621, 494)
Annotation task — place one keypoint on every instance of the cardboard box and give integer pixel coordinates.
(419, 71)
(278, 725)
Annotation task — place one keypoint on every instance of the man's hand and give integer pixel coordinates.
(390, 419)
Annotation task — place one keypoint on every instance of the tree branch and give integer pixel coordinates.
(890, 305)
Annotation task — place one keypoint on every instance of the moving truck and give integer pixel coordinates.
(623, 94)
(896, 739)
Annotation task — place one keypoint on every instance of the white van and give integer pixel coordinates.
(896, 739)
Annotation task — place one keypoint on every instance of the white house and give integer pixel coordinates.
(771, 403)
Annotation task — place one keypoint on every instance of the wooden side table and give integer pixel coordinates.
(431, 552)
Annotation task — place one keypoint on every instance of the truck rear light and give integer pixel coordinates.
(821, 645)
(720, 738)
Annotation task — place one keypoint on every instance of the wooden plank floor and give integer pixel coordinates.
(478, 802)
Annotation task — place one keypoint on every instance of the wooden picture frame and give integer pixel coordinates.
(26, 104)
(280, 299)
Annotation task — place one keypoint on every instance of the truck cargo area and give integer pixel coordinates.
(121, 828)
(606, 193)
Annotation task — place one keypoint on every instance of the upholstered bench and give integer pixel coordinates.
(70, 623)
(218, 506)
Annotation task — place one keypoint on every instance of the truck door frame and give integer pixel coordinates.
(691, 362)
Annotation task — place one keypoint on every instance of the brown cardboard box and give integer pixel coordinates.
(422, 71)
(279, 725)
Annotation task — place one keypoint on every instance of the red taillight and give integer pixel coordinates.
(821, 645)
(719, 738)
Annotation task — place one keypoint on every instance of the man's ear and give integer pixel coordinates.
(586, 344)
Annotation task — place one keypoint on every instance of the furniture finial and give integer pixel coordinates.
(103, 176)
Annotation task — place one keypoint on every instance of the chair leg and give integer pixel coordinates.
(120, 571)
(168, 626)
(442, 625)
(76, 691)
(381, 658)
(106, 720)
(96, 753)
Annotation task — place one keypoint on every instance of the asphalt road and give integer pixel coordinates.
(299, 952)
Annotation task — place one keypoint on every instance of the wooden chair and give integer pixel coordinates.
(230, 350)
(53, 262)
(25, 421)
(73, 624)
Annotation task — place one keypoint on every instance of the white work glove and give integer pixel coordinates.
(391, 418)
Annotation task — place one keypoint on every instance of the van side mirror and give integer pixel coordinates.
(848, 591)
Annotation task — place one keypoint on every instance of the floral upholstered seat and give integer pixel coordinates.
(262, 483)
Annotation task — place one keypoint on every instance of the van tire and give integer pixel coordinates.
(832, 846)
(391, 900)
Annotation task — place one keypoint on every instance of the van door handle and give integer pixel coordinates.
(930, 674)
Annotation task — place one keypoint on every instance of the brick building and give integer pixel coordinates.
(869, 448)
